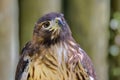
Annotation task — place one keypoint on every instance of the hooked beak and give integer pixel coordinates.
(57, 24)
(59, 21)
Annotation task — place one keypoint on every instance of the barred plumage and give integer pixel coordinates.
(53, 54)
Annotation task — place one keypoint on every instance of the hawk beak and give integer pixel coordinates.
(57, 24)
(56, 27)
(59, 21)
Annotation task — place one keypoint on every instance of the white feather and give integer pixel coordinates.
(25, 74)
(91, 78)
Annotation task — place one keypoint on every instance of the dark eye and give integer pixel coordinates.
(46, 24)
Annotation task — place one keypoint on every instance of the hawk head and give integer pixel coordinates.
(51, 28)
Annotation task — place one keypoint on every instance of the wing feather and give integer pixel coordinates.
(22, 64)
(87, 64)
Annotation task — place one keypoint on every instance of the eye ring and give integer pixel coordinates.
(46, 24)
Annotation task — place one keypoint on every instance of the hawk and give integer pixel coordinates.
(53, 54)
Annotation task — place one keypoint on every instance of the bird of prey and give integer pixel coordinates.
(53, 54)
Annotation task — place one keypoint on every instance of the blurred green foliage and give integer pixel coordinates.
(114, 47)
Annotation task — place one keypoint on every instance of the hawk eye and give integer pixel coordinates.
(46, 24)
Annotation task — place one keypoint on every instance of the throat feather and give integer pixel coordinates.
(61, 51)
